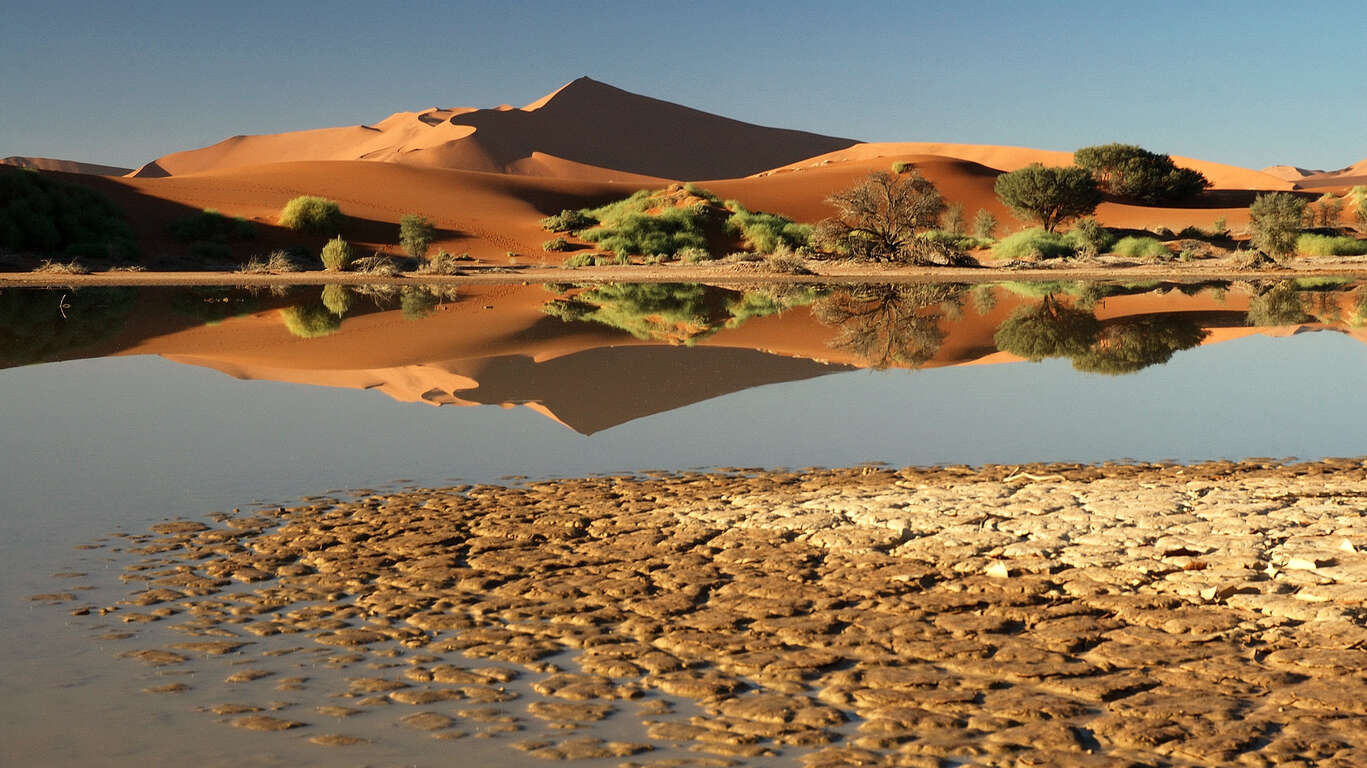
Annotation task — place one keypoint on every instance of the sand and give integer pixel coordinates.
(1116, 614)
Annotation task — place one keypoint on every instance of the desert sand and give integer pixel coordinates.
(487, 176)
(1093, 615)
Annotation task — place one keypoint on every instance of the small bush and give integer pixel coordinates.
(1326, 246)
(766, 232)
(443, 264)
(1275, 219)
(901, 166)
(308, 213)
(579, 260)
(212, 226)
(376, 264)
(556, 244)
(1033, 243)
(1219, 228)
(416, 234)
(984, 224)
(337, 255)
(1142, 248)
(275, 262)
(1088, 238)
(50, 267)
(694, 255)
(960, 242)
(568, 221)
(786, 264)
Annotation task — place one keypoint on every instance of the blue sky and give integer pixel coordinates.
(1249, 83)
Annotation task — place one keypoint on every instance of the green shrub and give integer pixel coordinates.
(694, 255)
(765, 232)
(1142, 248)
(337, 255)
(556, 244)
(310, 321)
(984, 224)
(1219, 228)
(308, 213)
(1275, 219)
(1088, 238)
(211, 226)
(901, 166)
(1325, 246)
(1033, 243)
(579, 260)
(416, 234)
(961, 242)
(41, 215)
(416, 302)
(568, 221)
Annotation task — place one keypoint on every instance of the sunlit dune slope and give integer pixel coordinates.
(1010, 158)
(583, 123)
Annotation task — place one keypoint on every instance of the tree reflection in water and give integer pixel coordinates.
(888, 325)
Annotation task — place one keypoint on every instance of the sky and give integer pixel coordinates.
(1249, 82)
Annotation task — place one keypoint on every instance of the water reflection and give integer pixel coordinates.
(595, 355)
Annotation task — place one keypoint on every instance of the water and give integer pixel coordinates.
(118, 413)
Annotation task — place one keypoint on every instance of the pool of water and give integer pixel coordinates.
(124, 407)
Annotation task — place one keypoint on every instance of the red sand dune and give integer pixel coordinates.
(65, 166)
(1010, 158)
(1327, 181)
(583, 123)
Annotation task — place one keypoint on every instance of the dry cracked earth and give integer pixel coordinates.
(1052, 615)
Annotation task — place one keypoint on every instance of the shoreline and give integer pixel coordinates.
(1180, 613)
(655, 274)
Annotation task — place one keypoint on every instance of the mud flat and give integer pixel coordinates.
(1120, 614)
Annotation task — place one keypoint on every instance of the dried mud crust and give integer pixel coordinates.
(1053, 614)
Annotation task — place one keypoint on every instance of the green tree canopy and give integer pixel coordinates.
(1135, 173)
(1275, 219)
(1049, 196)
(1132, 344)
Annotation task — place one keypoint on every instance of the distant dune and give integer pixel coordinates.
(1011, 158)
(65, 166)
(1308, 179)
(584, 123)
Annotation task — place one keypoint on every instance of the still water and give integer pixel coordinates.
(128, 406)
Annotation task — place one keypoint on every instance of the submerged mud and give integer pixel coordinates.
(1087, 615)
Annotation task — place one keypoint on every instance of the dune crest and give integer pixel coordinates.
(594, 128)
(65, 166)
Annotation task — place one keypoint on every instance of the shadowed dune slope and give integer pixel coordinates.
(584, 123)
(65, 166)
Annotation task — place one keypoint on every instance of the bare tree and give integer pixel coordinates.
(878, 218)
(886, 325)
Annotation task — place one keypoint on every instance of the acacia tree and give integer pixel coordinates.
(416, 234)
(1133, 172)
(1132, 344)
(878, 218)
(1275, 219)
(1049, 196)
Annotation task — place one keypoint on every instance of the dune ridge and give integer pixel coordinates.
(65, 166)
(600, 132)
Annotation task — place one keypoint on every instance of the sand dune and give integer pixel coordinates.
(1305, 178)
(65, 166)
(584, 123)
(1010, 158)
